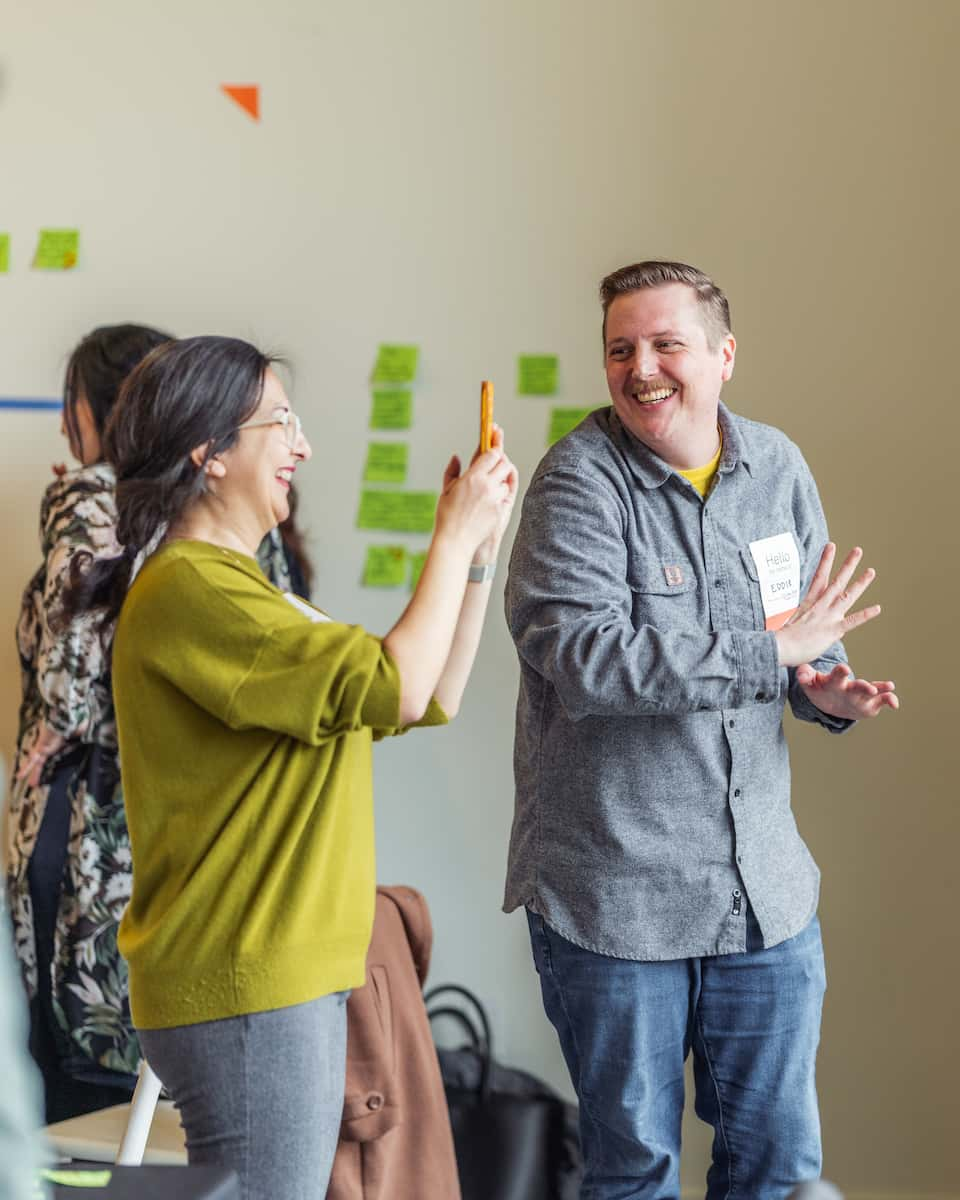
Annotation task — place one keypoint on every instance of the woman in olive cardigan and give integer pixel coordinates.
(246, 719)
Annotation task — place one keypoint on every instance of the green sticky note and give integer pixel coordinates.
(79, 1179)
(386, 462)
(400, 512)
(562, 420)
(396, 364)
(57, 250)
(416, 567)
(392, 409)
(537, 374)
(4, 253)
(385, 566)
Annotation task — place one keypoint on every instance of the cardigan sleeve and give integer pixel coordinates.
(240, 651)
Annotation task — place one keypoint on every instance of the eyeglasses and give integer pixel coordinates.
(292, 428)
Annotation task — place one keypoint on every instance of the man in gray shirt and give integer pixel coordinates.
(669, 594)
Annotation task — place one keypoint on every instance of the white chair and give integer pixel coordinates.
(147, 1130)
(142, 1107)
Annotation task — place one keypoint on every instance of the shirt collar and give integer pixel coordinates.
(735, 446)
(651, 471)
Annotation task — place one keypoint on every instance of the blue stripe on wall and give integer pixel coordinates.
(28, 402)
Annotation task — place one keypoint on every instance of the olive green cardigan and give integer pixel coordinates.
(245, 722)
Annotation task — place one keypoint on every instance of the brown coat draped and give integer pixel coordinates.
(395, 1139)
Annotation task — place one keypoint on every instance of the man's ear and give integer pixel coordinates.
(729, 355)
(212, 466)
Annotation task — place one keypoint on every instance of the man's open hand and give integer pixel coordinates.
(839, 694)
(824, 616)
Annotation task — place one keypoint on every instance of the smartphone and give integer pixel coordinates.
(486, 416)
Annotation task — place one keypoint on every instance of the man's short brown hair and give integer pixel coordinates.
(714, 309)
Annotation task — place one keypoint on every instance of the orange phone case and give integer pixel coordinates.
(486, 416)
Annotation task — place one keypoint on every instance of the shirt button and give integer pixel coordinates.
(739, 858)
(374, 1101)
(718, 583)
(736, 791)
(732, 723)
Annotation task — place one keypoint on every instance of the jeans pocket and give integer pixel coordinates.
(538, 940)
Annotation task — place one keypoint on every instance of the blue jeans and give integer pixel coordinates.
(261, 1094)
(752, 1021)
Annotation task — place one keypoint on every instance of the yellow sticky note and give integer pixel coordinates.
(392, 409)
(396, 364)
(386, 462)
(416, 567)
(399, 512)
(4, 253)
(57, 250)
(385, 566)
(537, 374)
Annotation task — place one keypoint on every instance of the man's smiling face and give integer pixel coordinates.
(664, 373)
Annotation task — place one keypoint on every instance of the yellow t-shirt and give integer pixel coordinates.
(702, 477)
(245, 734)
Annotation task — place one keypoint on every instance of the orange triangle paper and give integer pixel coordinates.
(246, 95)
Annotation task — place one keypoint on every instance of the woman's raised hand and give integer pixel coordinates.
(475, 505)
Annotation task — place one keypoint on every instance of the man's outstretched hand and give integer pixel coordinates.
(839, 694)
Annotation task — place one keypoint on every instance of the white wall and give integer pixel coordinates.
(461, 175)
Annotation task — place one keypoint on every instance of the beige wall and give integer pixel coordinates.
(462, 175)
(814, 157)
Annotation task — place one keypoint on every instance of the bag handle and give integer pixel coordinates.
(483, 1047)
(461, 1018)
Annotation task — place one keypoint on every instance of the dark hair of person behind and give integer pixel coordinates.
(184, 394)
(98, 367)
(295, 546)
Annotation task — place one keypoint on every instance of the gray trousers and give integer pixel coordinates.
(261, 1094)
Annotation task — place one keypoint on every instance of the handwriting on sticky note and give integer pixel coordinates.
(399, 512)
(386, 462)
(562, 420)
(392, 408)
(396, 364)
(385, 566)
(537, 374)
(57, 250)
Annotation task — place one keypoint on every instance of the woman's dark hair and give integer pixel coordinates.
(295, 548)
(184, 394)
(98, 367)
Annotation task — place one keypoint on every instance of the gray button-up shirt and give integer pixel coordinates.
(652, 774)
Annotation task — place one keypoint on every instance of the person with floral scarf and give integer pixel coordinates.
(68, 861)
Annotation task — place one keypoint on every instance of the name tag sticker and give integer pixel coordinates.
(308, 610)
(777, 560)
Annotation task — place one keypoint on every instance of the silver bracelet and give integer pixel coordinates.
(481, 572)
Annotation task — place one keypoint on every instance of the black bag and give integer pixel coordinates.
(515, 1137)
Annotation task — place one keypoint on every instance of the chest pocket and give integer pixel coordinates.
(664, 593)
